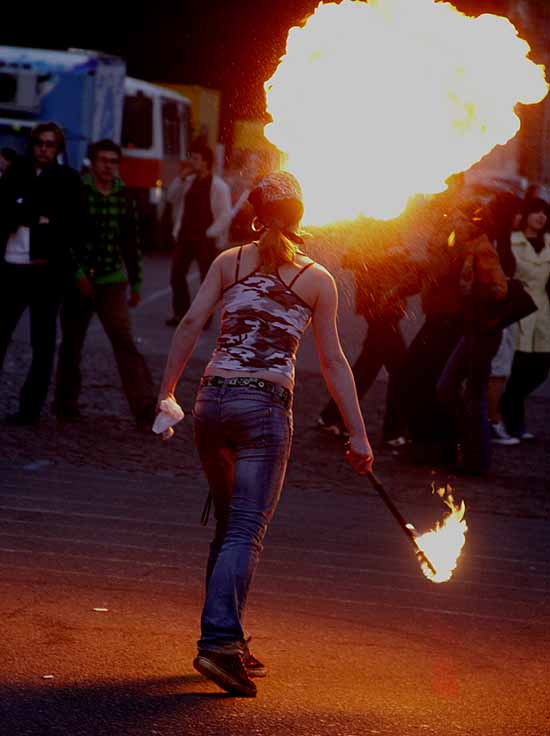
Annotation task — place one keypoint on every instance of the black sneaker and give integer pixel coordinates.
(254, 667)
(227, 671)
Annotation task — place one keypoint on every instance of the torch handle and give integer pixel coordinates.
(377, 485)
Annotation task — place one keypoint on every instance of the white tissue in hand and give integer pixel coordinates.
(170, 413)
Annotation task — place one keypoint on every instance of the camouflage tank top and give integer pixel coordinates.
(262, 323)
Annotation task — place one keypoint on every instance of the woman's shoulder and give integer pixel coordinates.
(314, 269)
(244, 255)
(230, 254)
(316, 275)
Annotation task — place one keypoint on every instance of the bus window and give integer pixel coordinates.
(137, 121)
(170, 128)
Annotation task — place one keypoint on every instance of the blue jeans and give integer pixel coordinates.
(243, 437)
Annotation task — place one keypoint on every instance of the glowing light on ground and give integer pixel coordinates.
(374, 102)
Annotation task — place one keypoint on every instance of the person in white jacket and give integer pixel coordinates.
(531, 364)
(201, 214)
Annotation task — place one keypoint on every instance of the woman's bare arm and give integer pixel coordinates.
(337, 372)
(189, 329)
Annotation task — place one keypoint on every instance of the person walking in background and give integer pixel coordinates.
(39, 225)
(170, 215)
(270, 291)
(201, 205)
(376, 267)
(108, 265)
(531, 364)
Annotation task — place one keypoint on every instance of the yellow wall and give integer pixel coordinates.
(205, 109)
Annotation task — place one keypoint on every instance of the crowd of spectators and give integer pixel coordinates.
(480, 263)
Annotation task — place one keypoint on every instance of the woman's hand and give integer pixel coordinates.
(167, 416)
(164, 395)
(359, 454)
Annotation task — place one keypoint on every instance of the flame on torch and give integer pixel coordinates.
(376, 101)
(443, 545)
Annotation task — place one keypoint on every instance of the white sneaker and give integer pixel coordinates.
(396, 442)
(527, 436)
(499, 435)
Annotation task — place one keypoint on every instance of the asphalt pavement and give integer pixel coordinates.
(102, 558)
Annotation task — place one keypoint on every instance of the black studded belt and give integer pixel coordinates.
(251, 382)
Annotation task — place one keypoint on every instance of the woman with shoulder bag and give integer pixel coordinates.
(506, 208)
(531, 364)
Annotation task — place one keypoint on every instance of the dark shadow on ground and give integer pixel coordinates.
(104, 709)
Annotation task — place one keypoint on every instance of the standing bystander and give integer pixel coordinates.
(531, 364)
(107, 261)
(40, 205)
(202, 213)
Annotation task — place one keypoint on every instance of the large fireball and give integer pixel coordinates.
(374, 102)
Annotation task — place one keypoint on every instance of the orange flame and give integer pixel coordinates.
(443, 545)
(376, 101)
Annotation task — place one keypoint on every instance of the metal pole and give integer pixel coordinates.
(407, 528)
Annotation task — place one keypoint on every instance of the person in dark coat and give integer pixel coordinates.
(40, 205)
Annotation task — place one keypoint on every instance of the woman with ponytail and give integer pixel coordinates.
(270, 292)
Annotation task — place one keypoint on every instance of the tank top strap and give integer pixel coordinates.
(238, 263)
(300, 272)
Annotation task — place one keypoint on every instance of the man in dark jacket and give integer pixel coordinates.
(107, 279)
(40, 205)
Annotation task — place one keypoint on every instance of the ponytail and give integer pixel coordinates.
(275, 249)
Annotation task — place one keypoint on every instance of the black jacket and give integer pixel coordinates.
(54, 196)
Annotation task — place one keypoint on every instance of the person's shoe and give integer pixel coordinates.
(499, 435)
(335, 429)
(253, 666)
(227, 671)
(173, 322)
(395, 443)
(20, 419)
(527, 436)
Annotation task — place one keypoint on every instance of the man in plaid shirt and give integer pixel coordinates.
(109, 266)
